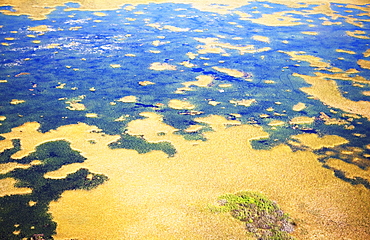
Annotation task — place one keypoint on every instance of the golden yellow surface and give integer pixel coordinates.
(301, 120)
(299, 107)
(243, 102)
(115, 65)
(16, 101)
(100, 14)
(367, 53)
(151, 196)
(345, 51)
(187, 64)
(128, 99)
(277, 19)
(32, 138)
(315, 142)
(212, 45)
(275, 123)
(146, 83)
(357, 34)
(7, 187)
(225, 85)
(202, 81)
(75, 106)
(350, 170)
(175, 29)
(314, 61)
(261, 38)
(344, 76)
(8, 167)
(230, 72)
(310, 33)
(327, 91)
(364, 63)
(193, 128)
(180, 104)
(91, 115)
(40, 28)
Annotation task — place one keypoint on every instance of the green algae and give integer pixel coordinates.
(263, 218)
(26, 216)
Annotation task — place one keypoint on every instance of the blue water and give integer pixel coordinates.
(104, 43)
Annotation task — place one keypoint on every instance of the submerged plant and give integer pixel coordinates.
(263, 218)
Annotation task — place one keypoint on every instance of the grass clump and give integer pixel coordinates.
(262, 217)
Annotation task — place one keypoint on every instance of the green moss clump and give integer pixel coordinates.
(263, 218)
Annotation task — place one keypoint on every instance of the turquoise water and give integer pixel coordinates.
(90, 50)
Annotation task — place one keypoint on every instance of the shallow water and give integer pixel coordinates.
(177, 104)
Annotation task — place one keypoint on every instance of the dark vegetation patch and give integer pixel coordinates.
(26, 216)
(142, 146)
